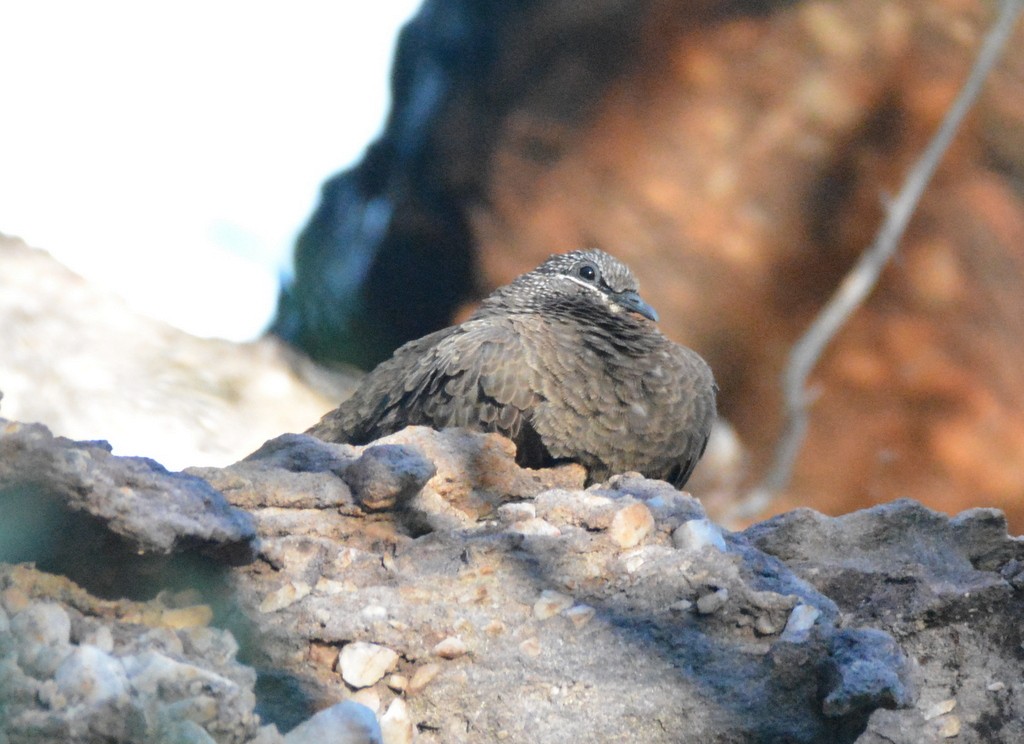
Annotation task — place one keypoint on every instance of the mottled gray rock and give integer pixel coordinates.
(387, 474)
(147, 508)
(627, 616)
(944, 587)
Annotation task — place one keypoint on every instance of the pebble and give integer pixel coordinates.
(367, 696)
(580, 614)
(516, 512)
(423, 677)
(44, 623)
(940, 708)
(712, 601)
(948, 726)
(363, 664)
(196, 616)
(451, 647)
(695, 534)
(630, 525)
(324, 655)
(396, 724)
(91, 675)
(531, 646)
(101, 638)
(801, 620)
(374, 612)
(550, 604)
(347, 722)
(535, 526)
(398, 682)
(285, 596)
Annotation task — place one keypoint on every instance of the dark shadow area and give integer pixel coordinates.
(37, 527)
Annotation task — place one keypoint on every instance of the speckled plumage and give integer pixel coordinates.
(566, 361)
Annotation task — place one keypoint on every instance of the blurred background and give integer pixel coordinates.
(738, 155)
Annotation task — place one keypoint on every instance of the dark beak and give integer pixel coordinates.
(632, 302)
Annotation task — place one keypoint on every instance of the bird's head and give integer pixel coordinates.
(584, 282)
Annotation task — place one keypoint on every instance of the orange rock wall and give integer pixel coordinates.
(741, 164)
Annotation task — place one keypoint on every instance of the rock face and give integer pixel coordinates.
(734, 154)
(467, 599)
(147, 388)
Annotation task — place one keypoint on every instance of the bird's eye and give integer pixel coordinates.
(587, 272)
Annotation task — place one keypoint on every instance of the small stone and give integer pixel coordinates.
(516, 512)
(683, 605)
(332, 587)
(324, 655)
(531, 646)
(939, 709)
(948, 726)
(535, 526)
(101, 638)
(287, 595)
(363, 664)
(580, 614)
(695, 534)
(801, 620)
(550, 604)
(90, 675)
(196, 616)
(374, 612)
(398, 682)
(369, 697)
(712, 601)
(495, 627)
(423, 677)
(630, 525)
(14, 599)
(396, 724)
(347, 722)
(387, 474)
(451, 647)
(45, 623)
(996, 687)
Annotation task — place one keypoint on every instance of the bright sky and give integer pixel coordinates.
(173, 150)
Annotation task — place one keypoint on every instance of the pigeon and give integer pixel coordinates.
(566, 361)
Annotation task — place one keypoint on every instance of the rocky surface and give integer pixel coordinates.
(426, 588)
(738, 155)
(79, 360)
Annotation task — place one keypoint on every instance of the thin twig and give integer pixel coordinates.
(862, 278)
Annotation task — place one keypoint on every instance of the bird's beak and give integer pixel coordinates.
(632, 301)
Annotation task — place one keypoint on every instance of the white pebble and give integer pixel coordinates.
(801, 620)
(695, 534)
(363, 664)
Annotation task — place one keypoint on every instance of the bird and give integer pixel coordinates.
(566, 361)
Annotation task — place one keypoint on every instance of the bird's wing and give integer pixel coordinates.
(472, 375)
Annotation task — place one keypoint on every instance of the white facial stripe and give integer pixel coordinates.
(582, 283)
